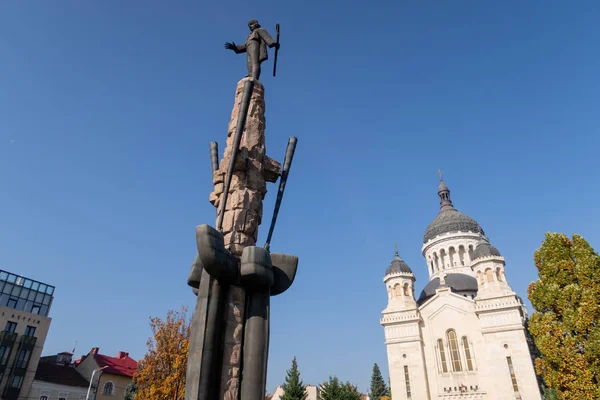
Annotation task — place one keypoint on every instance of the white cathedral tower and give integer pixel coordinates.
(464, 337)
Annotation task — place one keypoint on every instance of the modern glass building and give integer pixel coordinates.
(24, 307)
(25, 294)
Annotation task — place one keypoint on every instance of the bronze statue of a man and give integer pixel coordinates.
(255, 47)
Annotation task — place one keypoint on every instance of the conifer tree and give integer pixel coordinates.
(293, 388)
(565, 326)
(334, 389)
(378, 386)
(349, 392)
(330, 390)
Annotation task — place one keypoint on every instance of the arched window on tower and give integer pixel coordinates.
(489, 275)
(499, 274)
(480, 277)
(389, 292)
(440, 344)
(443, 258)
(465, 343)
(397, 290)
(406, 289)
(452, 255)
(454, 352)
(436, 262)
(461, 254)
(471, 252)
(431, 264)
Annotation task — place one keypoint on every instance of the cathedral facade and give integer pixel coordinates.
(464, 336)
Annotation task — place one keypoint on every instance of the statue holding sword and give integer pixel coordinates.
(256, 48)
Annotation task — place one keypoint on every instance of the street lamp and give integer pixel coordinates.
(87, 397)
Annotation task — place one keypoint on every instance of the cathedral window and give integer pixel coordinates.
(443, 258)
(461, 254)
(440, 343)
(431, 264)
(480, 277)
(454, 352)
(407, 381)
(489, 275)
(406, 289)
(465, 343)
(435, 259)
(397, 290)
(471, 252)
(452, 255)
(498, 274)
(513, 377)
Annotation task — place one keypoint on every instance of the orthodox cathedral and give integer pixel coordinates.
(464, 336)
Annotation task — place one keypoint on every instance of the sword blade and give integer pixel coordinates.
(276, 51)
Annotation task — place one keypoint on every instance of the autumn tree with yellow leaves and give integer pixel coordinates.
(565, 327)
(161, 374)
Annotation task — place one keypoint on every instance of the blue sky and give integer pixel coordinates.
(107, 109)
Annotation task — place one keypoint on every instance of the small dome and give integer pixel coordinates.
(460, 283)
(397, 266)
(451, 220)
(484, 249)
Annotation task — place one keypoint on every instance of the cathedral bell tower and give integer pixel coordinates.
(401, 321)
(399, 280)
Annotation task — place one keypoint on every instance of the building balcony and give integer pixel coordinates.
(11, 393)
(7, 338)
(28, 342)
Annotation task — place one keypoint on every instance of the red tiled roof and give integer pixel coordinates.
(60, 375)
(124, 365)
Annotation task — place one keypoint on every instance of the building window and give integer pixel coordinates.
(35, 309)
(513, 377)
(454, 353)
(465, 342)
(108, 388)
(43, 397)
(4, 352)
(10, 327)
(480, 277)
(407, 381)
(442, 356)
(16, 382)
(23, 358)
(397, 290)
(406, 289)
(12, 303)
(30, 331)
(489, 275)
(498, 274)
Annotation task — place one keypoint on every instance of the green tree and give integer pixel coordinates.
(565, 327)
(130, 391)
(293, 388)
(349, 392)
(334, 389)
(378, 386)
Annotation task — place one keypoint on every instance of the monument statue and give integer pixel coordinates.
(256, 48)
(232, 277)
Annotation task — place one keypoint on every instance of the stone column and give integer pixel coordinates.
(242, 216)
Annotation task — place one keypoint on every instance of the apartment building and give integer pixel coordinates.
(24, 307)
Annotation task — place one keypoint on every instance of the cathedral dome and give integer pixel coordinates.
(449, 219)
(484, 249)
(459, 283)
(398, 266)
